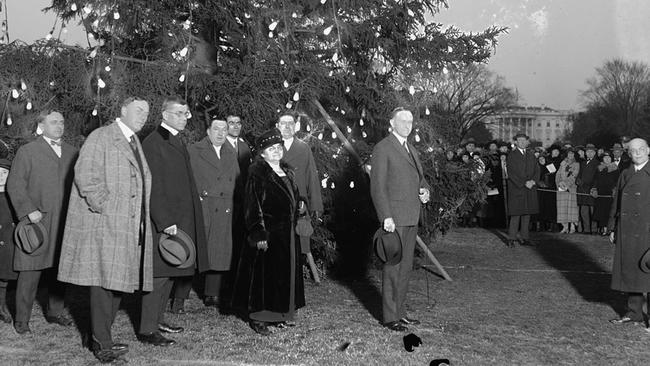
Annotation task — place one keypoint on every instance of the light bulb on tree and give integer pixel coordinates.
(23, 86)
(289, 105)
(100, 83)
(183, 52)
(270, 34)
(14, 93)
(9, 120)
(364, 134)
(427, 111)
(411, 90)
(273, 25)
(333, 135)
(285, 84)
(29, 106)
(87, 9)
(347, 89)
(328, 30)
(116, 15)
(323, 2)
(296, 97)
(181, 78)
(352, 184)
(73, 7)
(320, 136)
(107, 68)
(349, 129)
(361, 122)
(94, 113)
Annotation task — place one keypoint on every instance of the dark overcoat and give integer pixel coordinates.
(264, 277)
(245, 158)
(630, 216)
(300, 157)
(40, 180)
(586, 180)
(102, 245)
(174, 198)
(7, 247)
(215, 181)
(395, 182)
(522, 168)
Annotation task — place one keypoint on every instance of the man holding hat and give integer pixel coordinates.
(39, 186)
(107, 244)
(398, 188)
(175, 211)
(629, 220)
(7, 247)
(216, 170)
(523, 173)
(585, 181)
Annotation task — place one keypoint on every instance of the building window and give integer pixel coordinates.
(539, 124)
(548, 124)
(557, 124)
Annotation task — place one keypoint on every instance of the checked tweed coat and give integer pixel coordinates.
(40, 180)
(101, 240)
(630, 217)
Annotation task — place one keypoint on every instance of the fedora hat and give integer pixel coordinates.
(30, 236)
(388, 246)
(590, 147)
(177, 250)
(644, 263)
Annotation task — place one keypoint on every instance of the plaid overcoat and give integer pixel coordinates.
(101, 245)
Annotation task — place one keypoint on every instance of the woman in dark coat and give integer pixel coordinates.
(547, 201)
(605, 182)
(269, 283)
(7, 223)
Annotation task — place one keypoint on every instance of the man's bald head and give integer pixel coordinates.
(638, 150)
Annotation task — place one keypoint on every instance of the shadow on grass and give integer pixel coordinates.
(590, 279)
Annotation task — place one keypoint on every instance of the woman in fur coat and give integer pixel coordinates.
(269, 283)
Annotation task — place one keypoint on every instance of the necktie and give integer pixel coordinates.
(134, 147)
(406, 147)
(55, 143)
(237, 146)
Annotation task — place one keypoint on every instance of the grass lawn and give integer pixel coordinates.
(547, 305)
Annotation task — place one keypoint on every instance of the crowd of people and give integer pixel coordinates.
(574, 184)
(124, 216)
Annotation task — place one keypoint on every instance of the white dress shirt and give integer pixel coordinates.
(639, 167)
(217, 149)
(56, 148)
(171, 130)
(402, 141)
(287, 143)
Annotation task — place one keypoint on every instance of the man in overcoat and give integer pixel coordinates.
(586, 180)
(39, 186)
(630, 222)
(215, 170)
(108, 243)
(244, 158)
(299, 156)
(523, 173)
(175, 206)
(398, 188)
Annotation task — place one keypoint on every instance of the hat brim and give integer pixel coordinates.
(379, 241)
(644, 263)
(19, 235)
(187, 242)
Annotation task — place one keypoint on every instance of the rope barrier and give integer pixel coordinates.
(577, 194)
(523, 270)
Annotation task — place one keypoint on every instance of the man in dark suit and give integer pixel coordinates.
(585, 181)
(523, 173)
(299, 156)
(244, 158)
(175, 206)
(216, 169)
(398, 187)
(629, 219)
(39, 187)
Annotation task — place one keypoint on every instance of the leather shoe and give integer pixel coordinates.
(166, 328)
(511, 243)
(59, 319)
(624, 320)
(105, 355)
(409, 321)
(5, 315)
(260, 327)
(22, 327)
(156, 339)
(120, 348)
(178, 306)
(528, 243)
(396, 326)
(211, 301)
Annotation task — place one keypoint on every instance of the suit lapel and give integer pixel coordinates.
(47, 150)
(208, 153)
(122, 144)
(401, 150)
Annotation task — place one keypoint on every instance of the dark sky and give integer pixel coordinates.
(552, 46)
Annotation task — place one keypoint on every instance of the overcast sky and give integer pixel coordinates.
(552, 47)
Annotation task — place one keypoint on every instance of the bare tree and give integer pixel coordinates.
(621, 88)
(456, 100)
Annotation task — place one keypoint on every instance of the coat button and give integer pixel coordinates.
(227, 210)
(204, 193)
(221, 194)
(133, 196)
(0, 226)
(2, 242)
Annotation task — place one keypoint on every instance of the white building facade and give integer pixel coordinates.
(542, 124)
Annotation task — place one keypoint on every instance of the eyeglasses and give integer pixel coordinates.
(179, 114)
